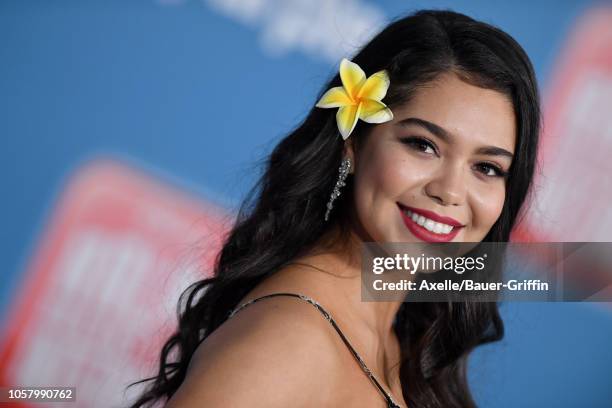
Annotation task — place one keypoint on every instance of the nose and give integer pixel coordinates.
(448, 186)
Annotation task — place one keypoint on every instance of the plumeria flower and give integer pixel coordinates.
(358, 98)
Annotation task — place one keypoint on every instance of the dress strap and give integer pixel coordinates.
(327, 316)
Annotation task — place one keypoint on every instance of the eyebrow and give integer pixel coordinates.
(447, 137)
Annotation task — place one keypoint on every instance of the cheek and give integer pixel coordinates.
(487, 204)
(380, 179)
(385, 178)
(397, 174)
(370, 183)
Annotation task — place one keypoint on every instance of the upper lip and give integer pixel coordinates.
(433, 216)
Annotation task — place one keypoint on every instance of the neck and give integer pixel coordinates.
(373, 319)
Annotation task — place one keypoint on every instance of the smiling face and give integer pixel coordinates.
(440, 161)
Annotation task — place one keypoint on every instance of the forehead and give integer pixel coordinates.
(473, 115)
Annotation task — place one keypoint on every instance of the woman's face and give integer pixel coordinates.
(444, 154)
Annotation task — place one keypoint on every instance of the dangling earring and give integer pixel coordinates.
(345, 168)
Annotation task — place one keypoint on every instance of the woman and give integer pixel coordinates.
(454, 135)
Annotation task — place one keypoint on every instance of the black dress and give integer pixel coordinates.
(390, 402)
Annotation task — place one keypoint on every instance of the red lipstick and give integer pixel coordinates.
(421, 232)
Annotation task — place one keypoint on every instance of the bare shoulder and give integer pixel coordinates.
(278, 351)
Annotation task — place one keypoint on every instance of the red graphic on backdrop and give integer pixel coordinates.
(574, 191)
(100, 294)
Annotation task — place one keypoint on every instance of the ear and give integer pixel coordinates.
(349, 151)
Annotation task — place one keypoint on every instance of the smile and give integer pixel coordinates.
(442, 229)
(428, 224)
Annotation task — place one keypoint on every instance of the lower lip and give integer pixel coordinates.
(426, 235)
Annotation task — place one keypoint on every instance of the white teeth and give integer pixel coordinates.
(430, 225)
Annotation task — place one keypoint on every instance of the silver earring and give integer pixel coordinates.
(345, 168)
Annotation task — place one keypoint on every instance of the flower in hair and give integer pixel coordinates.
(357, 98)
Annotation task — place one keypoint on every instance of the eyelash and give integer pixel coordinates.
(420, 141)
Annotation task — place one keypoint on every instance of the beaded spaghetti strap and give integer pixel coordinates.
(391, 403)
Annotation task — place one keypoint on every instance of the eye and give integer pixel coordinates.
(491, 170)
(420, 144)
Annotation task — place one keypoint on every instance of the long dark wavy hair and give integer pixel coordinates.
(282, 215)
